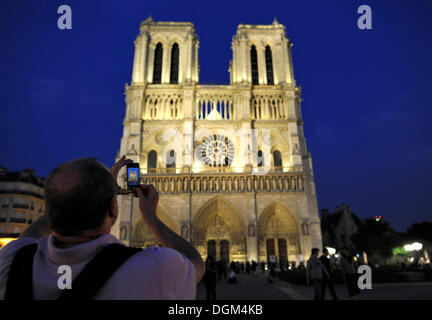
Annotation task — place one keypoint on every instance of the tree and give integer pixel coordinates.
(420, 231)
(376, 238)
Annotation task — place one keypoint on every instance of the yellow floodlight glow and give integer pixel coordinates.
(197, 167)
(5, 241)
(238, 169)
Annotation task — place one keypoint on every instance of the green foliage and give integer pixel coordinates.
(376, 238)
(399, 251)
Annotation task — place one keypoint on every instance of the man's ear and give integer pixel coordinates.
(113, 208)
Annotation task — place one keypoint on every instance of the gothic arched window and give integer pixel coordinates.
(277, 159)
(157, 67)
(151, 161)
(260, 159)
(174, 64)
(254, 65)
(269, 65)
(171, 159)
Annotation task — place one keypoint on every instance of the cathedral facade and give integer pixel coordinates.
(230, 162)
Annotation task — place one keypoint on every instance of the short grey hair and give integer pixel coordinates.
(84, 205)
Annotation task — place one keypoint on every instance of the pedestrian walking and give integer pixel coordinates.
(349, 272)
(254, 267)
(210, 278)
(248, 267)
(315, 271)
(327, 280)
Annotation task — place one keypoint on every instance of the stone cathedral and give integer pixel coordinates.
(230, 162)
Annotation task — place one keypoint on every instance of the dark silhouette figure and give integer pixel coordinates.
(248, 267)
(327, 280)
(210, 278)
(349, 270)
(254, 267)
(219, 266)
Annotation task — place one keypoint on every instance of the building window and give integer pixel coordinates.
(174, 64)
(254, 65)
(269, 65)
(260, 159)
(157, 67)
(171, 159)
(21, 205)
(151, 161)
(277, 159)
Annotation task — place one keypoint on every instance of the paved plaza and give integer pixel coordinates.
(257, 288)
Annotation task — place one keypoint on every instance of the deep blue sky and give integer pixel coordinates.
(367, 93)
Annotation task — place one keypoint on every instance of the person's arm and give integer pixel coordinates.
(164, 235)
(38, 229)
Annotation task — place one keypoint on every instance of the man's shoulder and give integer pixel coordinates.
(162, 254)
(165, 264)
(12, 247)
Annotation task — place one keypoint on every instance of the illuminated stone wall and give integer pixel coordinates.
(238, 203)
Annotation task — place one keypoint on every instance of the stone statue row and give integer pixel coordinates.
(212, 184)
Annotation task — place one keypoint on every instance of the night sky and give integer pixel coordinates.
(367, 94)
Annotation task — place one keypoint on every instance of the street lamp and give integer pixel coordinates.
(416, 246)
(331, 250)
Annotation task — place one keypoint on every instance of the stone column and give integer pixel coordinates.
(287, 61)
(143, 58)
(195, 62)
(188, 134)
(245, 75)
(166, 64)
(279, 64)
(139, 59)
(150, 62)
(261, 65)
(234, 75)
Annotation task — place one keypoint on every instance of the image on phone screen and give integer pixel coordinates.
(133, 177)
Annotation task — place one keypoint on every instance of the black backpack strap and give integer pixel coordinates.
(19, 285)
(96, 273)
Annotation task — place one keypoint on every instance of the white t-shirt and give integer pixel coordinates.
(152, 274)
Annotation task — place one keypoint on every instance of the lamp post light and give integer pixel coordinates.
(416, 246)
(331, 250)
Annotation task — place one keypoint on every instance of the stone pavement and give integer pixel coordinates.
(379, 291)
(248, 287)
(257, 288)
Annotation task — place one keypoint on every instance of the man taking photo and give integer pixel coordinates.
(81, 207)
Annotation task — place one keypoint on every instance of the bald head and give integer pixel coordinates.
(77, 196)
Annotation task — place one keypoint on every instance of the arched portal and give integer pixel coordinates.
(218, 229)
(278, 234)
(143, 237)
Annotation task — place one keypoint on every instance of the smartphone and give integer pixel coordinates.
(133, 177)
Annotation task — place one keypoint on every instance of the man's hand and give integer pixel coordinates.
(116, 169)
(148, 200)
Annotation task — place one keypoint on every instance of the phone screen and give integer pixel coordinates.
(133, 179)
